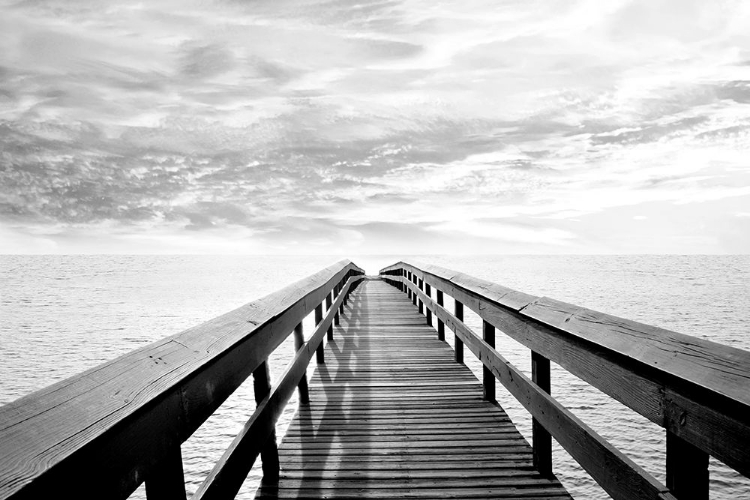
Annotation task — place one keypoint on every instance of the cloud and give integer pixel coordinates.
(204, 61)
(498, 230)
(512, 124)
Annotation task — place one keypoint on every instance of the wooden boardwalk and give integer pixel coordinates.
(392, 415)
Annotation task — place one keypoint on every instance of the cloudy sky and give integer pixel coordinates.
(392, 126)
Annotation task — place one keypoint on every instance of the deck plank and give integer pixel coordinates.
(392, 415)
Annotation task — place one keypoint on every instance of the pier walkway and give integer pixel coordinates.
(391, 410)
(392, 415)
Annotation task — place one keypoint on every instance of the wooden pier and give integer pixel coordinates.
(392, 411)
(392, 415)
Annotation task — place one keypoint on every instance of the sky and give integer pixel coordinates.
(381, 127)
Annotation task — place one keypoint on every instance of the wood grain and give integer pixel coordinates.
(258, 434)
(118, 421)
(392, 415)
(619, 476)
(694, 388)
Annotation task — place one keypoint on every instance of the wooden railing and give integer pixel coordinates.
(102, 433)
(699, 391)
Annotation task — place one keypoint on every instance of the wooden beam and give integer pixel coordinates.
(299, 342)
(541, 439)
(329, 302)
(458, 312)
(228, 474)
(269, 453)
(105, 420)
(687, 469)
(167, 482)
(341, 306)
(619, 476)
(441, 325)
(420, 284)
(658, 373)
(320, 353)
(488, 379)
(428, 292)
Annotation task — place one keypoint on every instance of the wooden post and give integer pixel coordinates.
(343, 301)
(269, 454)
(541, 439)
(420, 284)
(167, 480)
(428, 292)
(488, 379)
(414, 294)
(687, 469)
(336, 291)
(319, 352)
(458, 312)
(441, 325)
(299, 341)
(329, 303)
(408, 288)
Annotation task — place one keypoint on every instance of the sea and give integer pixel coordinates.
(62, 314)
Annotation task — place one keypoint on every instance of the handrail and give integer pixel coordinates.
(101, 433)
(696, 389)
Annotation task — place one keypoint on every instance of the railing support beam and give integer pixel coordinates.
(428, 292)
(541, 439)
(458, 312)
(299, 341)
(320, 351)
(420, 284)
(687, 469)
(269, 454)
(488, 379)
(441, 325)
(341, 307)
(329, 302)
(167, 481)
(336, 291)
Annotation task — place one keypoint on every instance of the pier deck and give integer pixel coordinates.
(392, 415)
(391, 412)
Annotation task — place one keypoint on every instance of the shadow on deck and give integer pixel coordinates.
(392, 415)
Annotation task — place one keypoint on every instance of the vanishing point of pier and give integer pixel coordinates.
(391, 410)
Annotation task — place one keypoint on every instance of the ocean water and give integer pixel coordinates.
(60, 315)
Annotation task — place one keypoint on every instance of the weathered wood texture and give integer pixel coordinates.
(391, 415)
(168, 482)
(541, 439)
(227, 476)
(118, 423)
(694, 388)
(616, 473)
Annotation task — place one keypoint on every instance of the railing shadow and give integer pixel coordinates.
(313, 447)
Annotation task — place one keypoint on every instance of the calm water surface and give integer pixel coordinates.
(64, 314)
